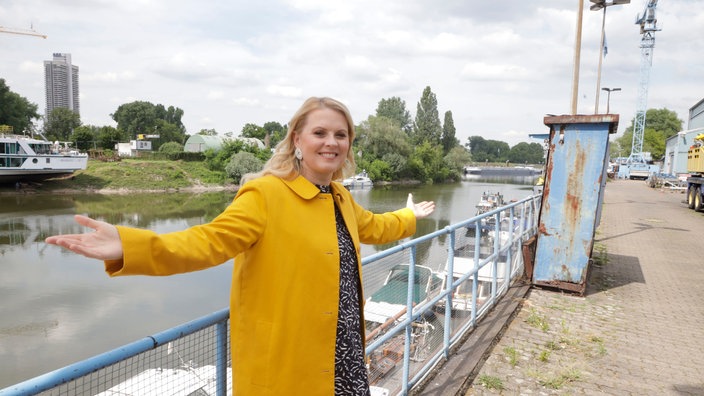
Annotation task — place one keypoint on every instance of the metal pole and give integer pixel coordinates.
(601, 57)
(577, 47)
(608, 100)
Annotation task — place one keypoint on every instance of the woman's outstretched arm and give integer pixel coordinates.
(103, 243)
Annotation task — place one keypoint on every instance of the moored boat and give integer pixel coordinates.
(24, 158)
(358, 181)
(489, 202)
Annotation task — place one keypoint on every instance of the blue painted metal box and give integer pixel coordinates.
(575, 178)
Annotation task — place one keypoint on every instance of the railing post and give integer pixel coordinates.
(221, 358)
(450, 277)
(409, 327)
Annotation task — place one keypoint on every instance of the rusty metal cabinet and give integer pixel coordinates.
(575, 179)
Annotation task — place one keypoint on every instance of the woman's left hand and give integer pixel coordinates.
(421, 209)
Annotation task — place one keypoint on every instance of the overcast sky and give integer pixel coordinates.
(499, 66)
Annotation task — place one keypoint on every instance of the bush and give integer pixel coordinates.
(242, 163)
(171, 147)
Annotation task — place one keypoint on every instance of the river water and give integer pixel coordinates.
(57, 308)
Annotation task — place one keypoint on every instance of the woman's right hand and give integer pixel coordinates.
(103, 243)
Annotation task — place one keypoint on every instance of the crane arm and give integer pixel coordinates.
(26, 32)
(647, 19)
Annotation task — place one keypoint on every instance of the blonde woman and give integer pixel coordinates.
(295, 233)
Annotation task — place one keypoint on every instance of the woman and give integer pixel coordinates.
(296, 299)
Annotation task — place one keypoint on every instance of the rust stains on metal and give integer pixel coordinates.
(542, 230)
(572, 210)
(566, 271)
(581, 119)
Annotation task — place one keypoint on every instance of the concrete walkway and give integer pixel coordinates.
(639, 329)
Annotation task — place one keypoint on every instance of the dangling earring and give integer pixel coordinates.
(298, 153)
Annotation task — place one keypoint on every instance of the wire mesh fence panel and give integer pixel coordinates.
(184, 366)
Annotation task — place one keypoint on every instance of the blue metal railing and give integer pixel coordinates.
(410, 339)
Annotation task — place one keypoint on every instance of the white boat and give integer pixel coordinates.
(186, 380)
(462, 295)
(388, 306)
(23, 158)
(389, 302)
(507, 229)
(358, 181)
(489, 202)
(464, 264)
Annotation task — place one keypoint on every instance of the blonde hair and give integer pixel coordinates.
(284, 164)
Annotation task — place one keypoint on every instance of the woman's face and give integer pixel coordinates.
(324, 141)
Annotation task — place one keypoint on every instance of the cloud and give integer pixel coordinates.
(497, 68)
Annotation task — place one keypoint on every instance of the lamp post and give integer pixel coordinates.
(598, 5)
(608, 96)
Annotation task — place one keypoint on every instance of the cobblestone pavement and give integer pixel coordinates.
(639, 329)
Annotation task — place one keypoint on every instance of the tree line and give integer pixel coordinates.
(390, 145)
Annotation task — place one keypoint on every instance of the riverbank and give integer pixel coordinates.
(136, 175)
(131, 175)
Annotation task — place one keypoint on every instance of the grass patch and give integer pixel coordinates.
(599, 256)
(560, 380)
(538, 321)
(599, 342)
(544, 356)
(512, 355)
(491, 382)
(137, 174)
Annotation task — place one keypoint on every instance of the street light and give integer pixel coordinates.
(608, 96)
(598, 5)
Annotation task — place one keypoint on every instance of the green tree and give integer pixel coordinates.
(455, 161)
(660, 124)
(253, 131)
(167, 132)
(483, 150)
(141, 117)
(173, 116)
(427, 163)
(61, 123)
(85, 137)
(427, 126)
(276, 133)
(15, 110)
(135, 118)
(208, 132)
(449, 141)
(530, 153)
(378, 136)
(394, 108)
(384, 148)
(109, 136)
(218, 160)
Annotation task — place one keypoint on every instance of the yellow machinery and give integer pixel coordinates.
(695, 155)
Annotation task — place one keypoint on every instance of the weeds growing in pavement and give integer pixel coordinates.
(491, 382)
(512, 355)
(561, 379)
(537, 320)
(600, 347)
(544, 356)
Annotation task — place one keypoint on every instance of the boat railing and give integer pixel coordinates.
(402, 352)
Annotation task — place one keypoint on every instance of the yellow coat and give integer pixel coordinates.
(285, 285)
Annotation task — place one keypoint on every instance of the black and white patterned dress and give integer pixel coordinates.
(350, 370)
